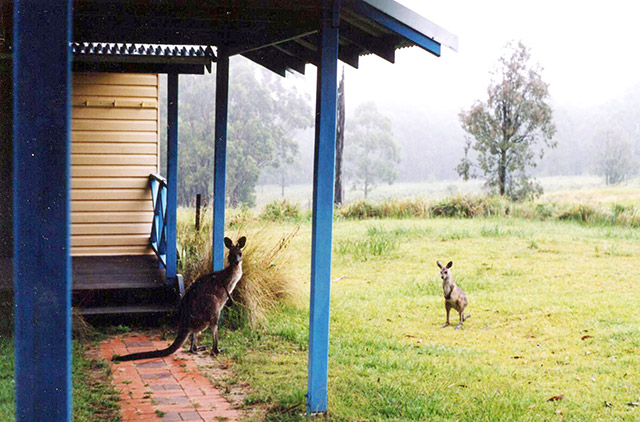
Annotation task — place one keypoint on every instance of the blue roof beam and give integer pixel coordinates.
(259, 41)
(385, 48)
(346, 54)
(292, 62)
(405, 23)
(267, 62)
(294, 49)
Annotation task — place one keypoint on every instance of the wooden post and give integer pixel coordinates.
(220, 158)
(172, 177)
(41, 214)
(324, 162)
(198, 200)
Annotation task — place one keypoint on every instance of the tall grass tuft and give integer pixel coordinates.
(281, 211)
(266, 280)
(461, 206)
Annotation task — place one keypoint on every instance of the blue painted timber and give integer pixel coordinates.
(172, 176)
(323, 185)
(41, 218)
(158, 239)
(400, 28)
(220, 158)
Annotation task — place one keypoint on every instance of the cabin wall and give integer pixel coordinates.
(115, 142)
(6, 161)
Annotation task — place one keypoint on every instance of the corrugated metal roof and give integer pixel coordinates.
(280, 35)
(158, 50)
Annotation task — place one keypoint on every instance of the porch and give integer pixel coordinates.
(280, 36)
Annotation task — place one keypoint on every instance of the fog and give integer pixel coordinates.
(587, 50)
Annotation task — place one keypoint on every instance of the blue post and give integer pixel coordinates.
(220, 166)
(172, 176)
(41, 218)
(324, 163)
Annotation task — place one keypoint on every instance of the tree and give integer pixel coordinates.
(263, 115)
(339, 188)
(372, 153)
(615, 157)
(292, 113)
(510, 131)
(251, 134)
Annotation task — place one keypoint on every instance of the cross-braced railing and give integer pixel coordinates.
(158, 238)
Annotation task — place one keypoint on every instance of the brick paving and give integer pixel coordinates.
(163, 389)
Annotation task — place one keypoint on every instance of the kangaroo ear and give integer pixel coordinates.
(228, 243)
(439, 264)
(241, 242)
(450, 264)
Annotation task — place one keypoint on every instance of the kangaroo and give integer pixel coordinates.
(201, 306)
(454, 297)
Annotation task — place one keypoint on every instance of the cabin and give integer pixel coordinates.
(85, 188)
(118, 197)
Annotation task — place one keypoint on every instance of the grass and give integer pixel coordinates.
(556, 188)
(554, 312)
(94, 399)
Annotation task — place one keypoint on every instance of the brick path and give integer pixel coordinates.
(163, 389)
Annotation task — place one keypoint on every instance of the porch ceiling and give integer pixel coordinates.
(280, 35)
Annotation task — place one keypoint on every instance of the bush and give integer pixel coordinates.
(281, 211)
(460, 206)
(265, 282)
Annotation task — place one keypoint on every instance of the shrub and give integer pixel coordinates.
(280, 211)
(266, 281)
(458, 207)
(358, 210)
(461, 206)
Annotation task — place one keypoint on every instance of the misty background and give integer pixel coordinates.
(586, 50)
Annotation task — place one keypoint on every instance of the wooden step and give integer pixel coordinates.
(127, 310)
(117, 272)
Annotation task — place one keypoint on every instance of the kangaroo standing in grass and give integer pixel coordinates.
(201, 306)
(454, 297)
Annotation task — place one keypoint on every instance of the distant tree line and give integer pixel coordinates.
(266, 118)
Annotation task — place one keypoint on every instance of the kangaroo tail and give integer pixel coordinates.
(182, 336)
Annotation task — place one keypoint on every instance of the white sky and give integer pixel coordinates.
(587, 49)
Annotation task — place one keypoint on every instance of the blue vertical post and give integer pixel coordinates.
(41, 195)
(172, 175)
(220, 157)
(324, 165)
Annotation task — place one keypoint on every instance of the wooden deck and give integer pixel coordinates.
(117, 272)
(113, 285)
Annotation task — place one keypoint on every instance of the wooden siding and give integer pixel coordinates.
(114, 149)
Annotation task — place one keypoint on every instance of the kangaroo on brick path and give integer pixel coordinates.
(454, 297)
(201, 306)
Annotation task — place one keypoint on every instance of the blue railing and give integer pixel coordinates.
(158, 238)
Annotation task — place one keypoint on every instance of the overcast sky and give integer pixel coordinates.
(588, 50)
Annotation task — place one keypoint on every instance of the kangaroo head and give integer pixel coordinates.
(235, 251)
(444, 270)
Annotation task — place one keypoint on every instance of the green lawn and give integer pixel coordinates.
(554, 312)
(94, 398)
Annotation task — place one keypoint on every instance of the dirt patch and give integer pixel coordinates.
(220, 371)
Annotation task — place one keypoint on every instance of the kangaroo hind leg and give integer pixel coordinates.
(448, 307)
(194, 343)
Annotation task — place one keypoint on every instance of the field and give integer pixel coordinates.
(565, 188)
(554, 313)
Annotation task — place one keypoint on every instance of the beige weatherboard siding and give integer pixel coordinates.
(114, 149)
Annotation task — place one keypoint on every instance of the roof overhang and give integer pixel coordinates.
(281, 35)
